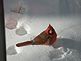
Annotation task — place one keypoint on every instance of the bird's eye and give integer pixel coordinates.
(50, 32)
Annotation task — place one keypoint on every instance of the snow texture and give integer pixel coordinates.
(69, 42)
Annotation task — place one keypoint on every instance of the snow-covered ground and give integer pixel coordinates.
(68, 28)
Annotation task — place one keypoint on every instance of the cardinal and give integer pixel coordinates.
(47, 37)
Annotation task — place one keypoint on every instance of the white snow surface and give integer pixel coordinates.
(67, 28)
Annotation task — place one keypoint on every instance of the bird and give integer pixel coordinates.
(47, 37)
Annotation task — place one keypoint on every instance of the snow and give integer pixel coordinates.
(67, 28)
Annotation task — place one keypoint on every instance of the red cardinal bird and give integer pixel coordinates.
(47, 37)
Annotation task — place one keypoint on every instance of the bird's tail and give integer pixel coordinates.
(24, 43)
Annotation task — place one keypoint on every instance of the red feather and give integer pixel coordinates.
(47, 37)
